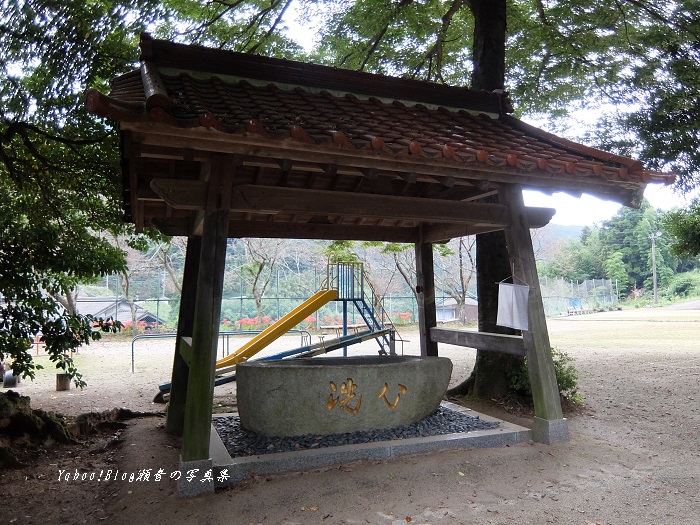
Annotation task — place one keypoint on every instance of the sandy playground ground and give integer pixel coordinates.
(633, 458)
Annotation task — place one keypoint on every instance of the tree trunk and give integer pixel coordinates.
(258, 309)
(68, 301)
(126, 286)
(489, 379)
(134, 321)
(489, 52)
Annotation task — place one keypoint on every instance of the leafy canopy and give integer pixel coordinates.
(59, 174)
(59, 177)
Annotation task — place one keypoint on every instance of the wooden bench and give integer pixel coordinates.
(338, 328)
(38, 342)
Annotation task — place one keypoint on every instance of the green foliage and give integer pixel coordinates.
(684, 226)
(59, 169)
(340, 251)
(248, 26)
(684, 285)
(616, 271)
(621, 250)
(414, 39)
(566, 374)
(668, 84)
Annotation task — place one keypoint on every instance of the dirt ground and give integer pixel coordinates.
(633, 457)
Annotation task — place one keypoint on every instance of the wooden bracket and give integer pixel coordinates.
(186, 349)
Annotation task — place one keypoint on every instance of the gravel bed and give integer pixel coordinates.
(240, 442)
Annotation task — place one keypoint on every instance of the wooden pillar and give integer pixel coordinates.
(549, 425)
(175, 421)
(205, 332)
(425, 288)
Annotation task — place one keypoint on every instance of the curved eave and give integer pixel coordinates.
(102, 105)
(583, 169)
(634, 167)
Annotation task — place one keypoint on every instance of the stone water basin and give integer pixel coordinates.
(329, 395)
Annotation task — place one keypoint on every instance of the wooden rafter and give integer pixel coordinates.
(189, 195)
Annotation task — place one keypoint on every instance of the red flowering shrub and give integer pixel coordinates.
(401, 317)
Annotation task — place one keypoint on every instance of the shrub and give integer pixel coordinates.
(247, 323)
(401, 317)
(566, 374)
(684, 285)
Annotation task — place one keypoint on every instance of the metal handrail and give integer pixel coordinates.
(305, 336)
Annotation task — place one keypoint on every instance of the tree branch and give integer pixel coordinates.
(258, 19)
(540, 12)
(376, 39)
(436, 49)
(208, 23)
(654, 13)
(272, 28)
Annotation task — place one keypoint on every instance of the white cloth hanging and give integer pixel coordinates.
(512, 306)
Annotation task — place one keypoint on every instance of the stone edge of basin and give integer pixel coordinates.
(413, 387)
(239, 469)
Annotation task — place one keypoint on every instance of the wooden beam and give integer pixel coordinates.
(186, 349)
(506, 344)
(181, 194)
(190, 195)
(425, 288)
(321, 231)
(207, 311)
(434, 233)
(175, 421)
(133, 162)
(286, 167)
(439, 233)
(545, 392)
(538, 217)
(178, 227)
(169, 138)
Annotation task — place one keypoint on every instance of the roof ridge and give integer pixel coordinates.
(164, 53)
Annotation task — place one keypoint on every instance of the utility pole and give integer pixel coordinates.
(653, 238)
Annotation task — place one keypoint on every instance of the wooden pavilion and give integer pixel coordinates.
(217, 144)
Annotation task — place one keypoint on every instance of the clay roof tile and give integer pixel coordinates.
(188, 86)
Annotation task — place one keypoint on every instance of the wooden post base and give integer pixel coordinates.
(62, 382)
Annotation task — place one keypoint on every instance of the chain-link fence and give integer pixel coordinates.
(564, 297)
(160, 314)
(560, 297)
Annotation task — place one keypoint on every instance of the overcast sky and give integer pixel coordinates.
(587, 210)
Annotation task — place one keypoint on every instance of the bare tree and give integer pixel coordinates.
(261, 255)
(167, 251)
(139, 260)
(457, 271)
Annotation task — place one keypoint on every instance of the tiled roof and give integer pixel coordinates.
(308, 130)
(479, 133)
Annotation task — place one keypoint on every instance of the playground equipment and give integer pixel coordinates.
(353, 289)
(275, 330)
(225, 338)
(345, 282)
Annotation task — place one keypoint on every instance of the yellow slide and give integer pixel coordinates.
(279, 328)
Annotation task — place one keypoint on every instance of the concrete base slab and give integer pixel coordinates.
(196, 477)
(228, 470)
(550, 431)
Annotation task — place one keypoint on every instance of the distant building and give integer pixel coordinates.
(118, 309)
(446, 309)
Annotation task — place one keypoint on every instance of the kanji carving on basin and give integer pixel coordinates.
(340, 394)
